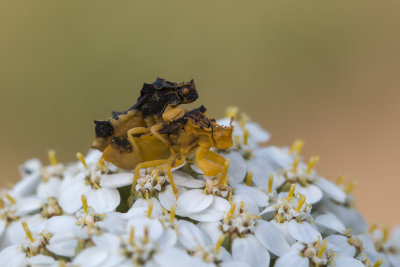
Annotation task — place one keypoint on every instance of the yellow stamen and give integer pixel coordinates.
(373, 228)
(231, 211)
(279, 218)
(157, 176)
(219, 243)
(348, 232)
(270, 182)
(385, 234)
(231, 112)
(236, 140)
(27, 231)
(52, 157)
(146, 194)
(340, 179)
(82, 159)
(61, 263)
(245, 137)
(301, 202)
(230, 197)
(296, 147)
(242, 205)
(244, 119)
(322, 249)
(131, 235)
(224, 178)
(11, 199)
(84, 203)
(172, 215)
(206, 188)
(249, 176)
(350, 187)
(295, 164)
(146, 234)
(291, 191)
(102, 164)
(151, 206)
(378, 263)
(311, 163)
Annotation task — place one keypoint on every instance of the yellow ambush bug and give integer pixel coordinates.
(165, 138)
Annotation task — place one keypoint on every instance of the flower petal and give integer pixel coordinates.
(260, 173)
(284, 229)
(168, 199)
(250, 206)
(292, 258)
(271, 238)
(190, 236)
(331, 222)
(340, 245)
(212, 229)
(40, 260)
(257, 132)
(175, 257)
(233, 264)
(194, 201)
(50, 188)
(303, 232)
(28, 205)
(107, 241)
(250, 251)
(332, 190)
(63, 244)
(168, 238)
(184, 179)
(237, 167)
(256, 195)
(313, 193)
(13, 256)
(91, 257)
(113, 222)
(153, 226)
(141, 206)
(345, 261)
(116, 180)
(274, 156)
(15, 232)
(26, 186)
(58, 224)
(215, 212)
(70, 197)
(103, 199)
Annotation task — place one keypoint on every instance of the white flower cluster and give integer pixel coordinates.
(272, 210)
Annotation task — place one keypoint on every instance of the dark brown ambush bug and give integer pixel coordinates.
(178, 135)
(155, 99)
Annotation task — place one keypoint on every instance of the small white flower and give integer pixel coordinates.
(202, 207)
(292, 216)
(101, 199)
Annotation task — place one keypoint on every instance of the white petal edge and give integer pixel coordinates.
(271, 238)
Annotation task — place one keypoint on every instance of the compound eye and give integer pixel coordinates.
(185, 91)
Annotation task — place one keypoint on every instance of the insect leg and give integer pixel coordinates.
(209, 167)
(154, 130)
(213, 156)
(147, 164)
(218, 159)
(171, 180)
(132, 132)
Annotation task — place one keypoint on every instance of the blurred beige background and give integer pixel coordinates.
(325, 71)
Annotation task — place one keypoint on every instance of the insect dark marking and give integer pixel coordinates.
(103, 129)
(122, 143)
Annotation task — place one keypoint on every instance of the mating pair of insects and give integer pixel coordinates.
(155, 132)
